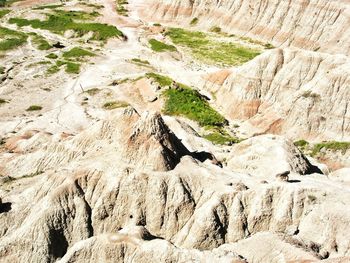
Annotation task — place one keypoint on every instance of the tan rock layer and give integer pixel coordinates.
(298, 93)
(314, 24)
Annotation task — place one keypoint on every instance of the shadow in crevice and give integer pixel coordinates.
(203, 156)
(293, 181)
(5, 207)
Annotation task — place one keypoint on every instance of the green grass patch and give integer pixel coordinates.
(52, 56)
(210, 50)
(93, 91)
(76, 15)
(221, 137)
(34, 108)
(40, 42)
(301, 143)
(72, 68)
(4, 12)
(163, 81)
(121, 9)
(187, 102)
(332, 146)
(92, 5)
(10, 39)
(77, 52)
(62, 21)
(47, 7)
(111, 105)
(160, 46)
(190, 104)
(141, 62)
(53, 69)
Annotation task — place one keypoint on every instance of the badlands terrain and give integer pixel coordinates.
(175, 131)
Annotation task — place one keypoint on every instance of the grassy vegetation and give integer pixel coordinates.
(52, 56)
(40, 42)
(47, 7)
(194, 21)
(111, 105)
(76, 15)
(2, 70)
(221, 137)
(315, 149)
(121, 9)
(310, 94)
(10, 39)
(93, 91)
(141, 62)
(7, 2)
(34, 108)
(301, 143)
(163, 81)
(4, 12)
(53, 69)
(77, 52)
(61, 21)
(332, 146)
(160, 46)
(92, 5)
(187, 102)
(209, 49)
(215, 29)
(181, 100)
(70, 67)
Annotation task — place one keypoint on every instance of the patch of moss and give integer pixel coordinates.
(140, 62)
(4, 12)
(72, 68)
(93, 91)
(77, 52)
(121, 9)
(221, 137)
(194, 21)
(111, 105)
(47, 7)
(34, 108)
(163, 81)
(10, 39)
(52, 56)
(40, 42)
(160, 46)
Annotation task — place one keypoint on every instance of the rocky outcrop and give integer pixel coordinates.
(131, 245)
(315, 25)
(297, 93)
(256, 154)
(78, 208)
(143, 142)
